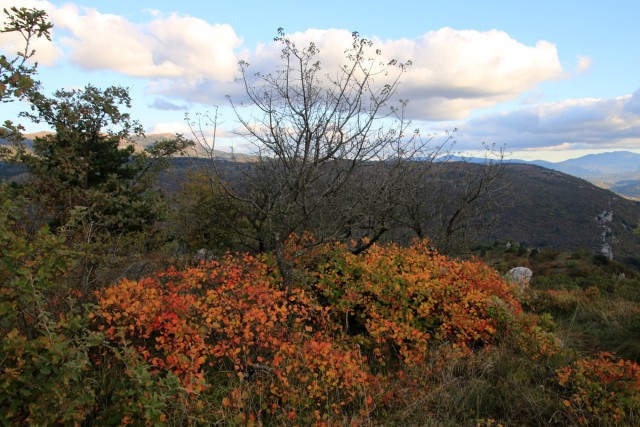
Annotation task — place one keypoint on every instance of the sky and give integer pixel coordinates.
(548, 80)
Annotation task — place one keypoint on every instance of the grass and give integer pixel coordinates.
(594, 302)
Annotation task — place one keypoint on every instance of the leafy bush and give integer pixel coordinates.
(342, 335)
(232, 316)
(601, 390)
(398, 301)
(43, 337)
(55, 368)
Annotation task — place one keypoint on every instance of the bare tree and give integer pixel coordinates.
(335, 155)
(454, 201)
(330, 147)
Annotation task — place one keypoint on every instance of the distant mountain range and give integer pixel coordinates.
(618, 171)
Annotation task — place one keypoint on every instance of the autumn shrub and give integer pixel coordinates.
(397, 301)
(232, 316)
(601, 390)
(447, 338)
(395, 335)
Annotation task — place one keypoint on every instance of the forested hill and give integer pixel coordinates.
(539, 208)
(546, 208)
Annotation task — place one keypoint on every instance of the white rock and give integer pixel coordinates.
(604, 217)
(204, 255)
(520, 276)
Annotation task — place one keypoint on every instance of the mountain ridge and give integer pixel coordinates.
(618, 171)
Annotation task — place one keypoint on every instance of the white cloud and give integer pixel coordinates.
(166, 47)
(188, 59)
(453, 71)
(589, 123)
(170, 128)
(198, 49)
(457, 71)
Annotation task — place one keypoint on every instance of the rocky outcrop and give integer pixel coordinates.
(605, 219)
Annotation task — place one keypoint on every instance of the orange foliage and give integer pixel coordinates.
(306, 356)
(399, 300)
(159, 317)
(232, 316)
(601, 389)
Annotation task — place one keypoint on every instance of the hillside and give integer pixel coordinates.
(541, 208)
(547, 208)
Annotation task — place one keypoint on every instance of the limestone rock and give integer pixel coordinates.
(520, 276)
